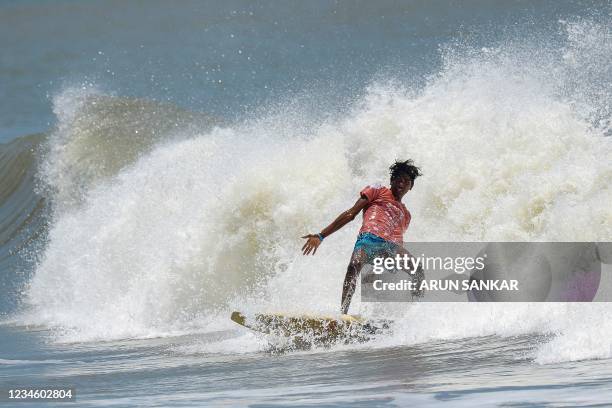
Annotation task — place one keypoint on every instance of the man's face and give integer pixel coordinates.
(401, 184)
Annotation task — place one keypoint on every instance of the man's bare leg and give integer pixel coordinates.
(416, 276)
(350, 280)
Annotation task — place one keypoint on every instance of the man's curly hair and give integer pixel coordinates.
(407, 167)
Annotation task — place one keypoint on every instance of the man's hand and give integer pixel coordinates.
(312, 243)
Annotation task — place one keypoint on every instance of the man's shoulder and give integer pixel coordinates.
(374, 191)
(375, 186)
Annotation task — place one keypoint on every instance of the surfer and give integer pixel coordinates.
(385, 220)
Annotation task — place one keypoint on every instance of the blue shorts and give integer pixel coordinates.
(374, 246)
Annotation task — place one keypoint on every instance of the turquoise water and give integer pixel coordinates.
(161, 161)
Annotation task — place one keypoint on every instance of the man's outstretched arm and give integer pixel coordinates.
(313, 240)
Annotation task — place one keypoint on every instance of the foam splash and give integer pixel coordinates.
(98, 135)
(209, 221)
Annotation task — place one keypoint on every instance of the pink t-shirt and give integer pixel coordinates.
(384, 216)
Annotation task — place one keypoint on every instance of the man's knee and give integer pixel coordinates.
(354, 268)
(357, 260)
(352, 272)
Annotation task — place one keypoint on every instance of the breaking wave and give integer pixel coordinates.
(164, 220)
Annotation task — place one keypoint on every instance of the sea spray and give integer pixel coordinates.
(209, 221)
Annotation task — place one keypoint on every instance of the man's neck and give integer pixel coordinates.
(396, 196)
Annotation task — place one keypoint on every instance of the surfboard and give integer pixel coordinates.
(306, 330)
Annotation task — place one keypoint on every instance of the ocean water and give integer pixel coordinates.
(160, 162)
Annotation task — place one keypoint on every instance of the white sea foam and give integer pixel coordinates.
(199, 225)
